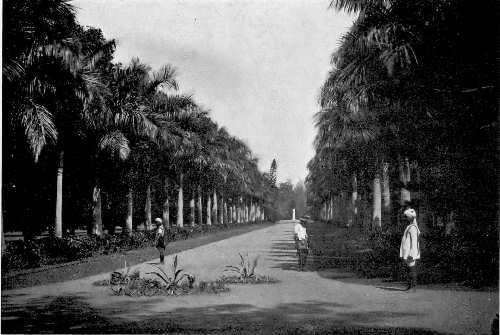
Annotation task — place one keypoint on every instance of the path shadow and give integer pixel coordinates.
(73, 314)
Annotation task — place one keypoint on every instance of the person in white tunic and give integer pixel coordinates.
(410, 249)
(302, 244)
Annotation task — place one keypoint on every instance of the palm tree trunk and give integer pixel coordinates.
(386, 192)
(251, 211)
(192, 211)
(130, 211)
(354, 200)
(209, 210)
(377, 202)
(3, 238)
(240, 211)
(215, 209)
(58, 221)
(180, 203)
(200, 207)
(405, 177)
(166, 206)
(330, 208)
(237, 211)
(222, 220)
(147, 208)
(226, 214)
(245, 212)
(97, 210)
(327, 209)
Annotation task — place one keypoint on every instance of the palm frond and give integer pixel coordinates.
(39, 127)
(116, 143)
(356, 6)
(13, 71)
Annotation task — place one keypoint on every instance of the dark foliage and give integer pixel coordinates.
(52, 250)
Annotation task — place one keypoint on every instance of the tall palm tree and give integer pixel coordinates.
(129, 114)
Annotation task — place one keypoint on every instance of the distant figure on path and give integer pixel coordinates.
(302, 244)
(296, 230)
(160, 239)
(410, 250)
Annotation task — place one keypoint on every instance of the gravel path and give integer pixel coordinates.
(303, 302)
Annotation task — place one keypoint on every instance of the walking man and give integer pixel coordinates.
(410, 250)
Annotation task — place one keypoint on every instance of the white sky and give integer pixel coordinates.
(257, 65)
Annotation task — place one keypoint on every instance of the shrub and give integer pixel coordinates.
(244, 273)
(172, 281)
(53, 250)
(20, 255)
(130, 284)
(66, 248)
(245, 270)
(120, 278)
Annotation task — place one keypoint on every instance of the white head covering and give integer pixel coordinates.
(161, 230)
(411, 214)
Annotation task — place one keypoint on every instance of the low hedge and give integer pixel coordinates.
(53, 250)
(444, 259)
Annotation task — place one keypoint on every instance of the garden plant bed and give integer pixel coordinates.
(151, 287)
(173, 282)
(105, 263)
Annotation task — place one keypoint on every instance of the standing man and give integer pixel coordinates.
(161, 243)
(302, 244)
(410, 250)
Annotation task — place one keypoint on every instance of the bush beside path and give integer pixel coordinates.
(107, 263)
(317, 301)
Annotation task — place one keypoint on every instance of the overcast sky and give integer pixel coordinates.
(256, 65)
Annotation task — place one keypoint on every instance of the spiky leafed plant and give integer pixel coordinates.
(171, 280)
(246, 269)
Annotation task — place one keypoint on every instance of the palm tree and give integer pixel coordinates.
(47, 68)
(130, 115)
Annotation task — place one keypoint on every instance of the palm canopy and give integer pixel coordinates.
(127, 110)
(45, 63)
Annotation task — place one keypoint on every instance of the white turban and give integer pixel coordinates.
(410, 213)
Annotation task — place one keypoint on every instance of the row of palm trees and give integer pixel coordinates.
(65, 101)
(408, 111)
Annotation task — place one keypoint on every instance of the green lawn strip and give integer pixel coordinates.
(107, 263)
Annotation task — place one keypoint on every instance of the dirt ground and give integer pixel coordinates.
(326, 301)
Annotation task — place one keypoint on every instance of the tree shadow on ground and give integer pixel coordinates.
(73, 314)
